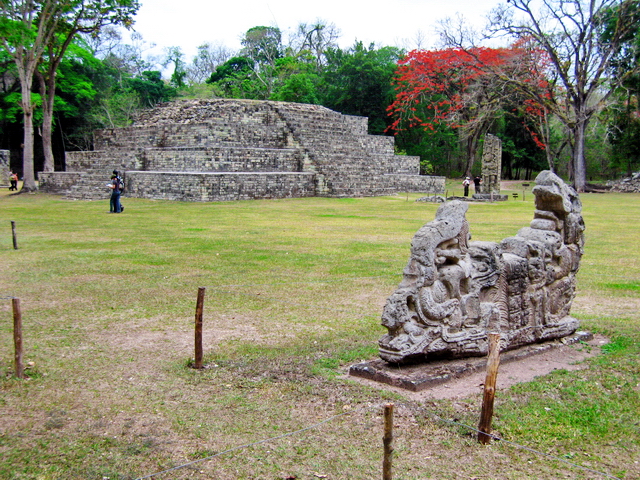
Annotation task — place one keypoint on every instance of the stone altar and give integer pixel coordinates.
(454, 292)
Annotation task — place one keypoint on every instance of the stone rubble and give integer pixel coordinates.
(626, 185)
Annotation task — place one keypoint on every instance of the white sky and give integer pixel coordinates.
(189, 23)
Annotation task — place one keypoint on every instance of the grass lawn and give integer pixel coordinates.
(295, 289)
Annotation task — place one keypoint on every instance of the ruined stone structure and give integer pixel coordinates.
(4, 167)
(454, 292)
(626, 185)
(208, 150)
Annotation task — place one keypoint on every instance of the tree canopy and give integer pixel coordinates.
(36, 35)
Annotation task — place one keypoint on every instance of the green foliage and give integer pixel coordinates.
(299, 88)
(176, 57)
(262, 44)
(150, 88)
(357, 81)
(234, 78)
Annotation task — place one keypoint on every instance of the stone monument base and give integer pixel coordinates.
(421, 376)
(488, 197)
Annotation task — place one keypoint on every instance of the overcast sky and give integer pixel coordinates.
(189, 23)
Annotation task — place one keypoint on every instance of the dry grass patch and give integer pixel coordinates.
(295, 290)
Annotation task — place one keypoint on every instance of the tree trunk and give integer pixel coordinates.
(29, 180)
(578, 161)
(47, 91)
(471, 148)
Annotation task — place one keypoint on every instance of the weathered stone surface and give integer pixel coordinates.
(491, 168)
(454, 292)
(258, 141)
(5, 172)
(626, 185)
(422, 376)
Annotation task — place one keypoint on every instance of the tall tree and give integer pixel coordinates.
(313, 41)
(624, 121)
(458, 88)
(36, 34)
(263, 45)
(580, 57)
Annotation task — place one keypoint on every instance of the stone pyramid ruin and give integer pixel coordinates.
(223, 149)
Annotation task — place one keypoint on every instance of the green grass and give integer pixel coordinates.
(295, 289)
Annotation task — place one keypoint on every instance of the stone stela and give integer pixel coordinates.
(491, 170)
(226, 149)
(5, 171)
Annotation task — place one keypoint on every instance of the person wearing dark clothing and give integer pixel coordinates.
(114, 206)
(476, 183)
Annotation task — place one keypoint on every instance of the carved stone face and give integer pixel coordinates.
(484, 264)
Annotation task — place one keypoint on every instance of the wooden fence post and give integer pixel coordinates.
(198, 335)
(387, 441)
(17, 336)
(14, 235)
(489, 389)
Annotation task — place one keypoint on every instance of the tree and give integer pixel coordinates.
(263, 46)
(313, 41)
(579, 56)
(357, 81)
(624, 113)
(174, 55)
(150, 88)
(463, 89)
(234, 78)
(36, 34)
(208, 58)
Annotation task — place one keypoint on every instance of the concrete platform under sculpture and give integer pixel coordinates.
(422, 376)
(454, 292)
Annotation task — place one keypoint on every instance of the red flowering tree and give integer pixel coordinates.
(464, 89)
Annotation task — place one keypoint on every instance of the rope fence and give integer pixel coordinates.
(483, 431)
(386, 441)
(228, 289)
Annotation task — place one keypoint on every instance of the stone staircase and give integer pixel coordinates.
(209, 150)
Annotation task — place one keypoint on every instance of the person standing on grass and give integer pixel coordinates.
(465, 183)
(114, 206)
(476, 183)
(13, 181)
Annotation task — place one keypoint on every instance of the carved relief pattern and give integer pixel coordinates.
(454, 292)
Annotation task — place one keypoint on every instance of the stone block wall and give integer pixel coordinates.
(222, 159)
(5, 170)
(208, 187)
(252, 139)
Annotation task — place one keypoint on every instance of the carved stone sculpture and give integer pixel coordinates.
(491, 164)
(454, 292)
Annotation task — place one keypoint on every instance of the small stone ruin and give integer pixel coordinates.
(626, 185)
(455, 291)
(4, 167)
(228, 149)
